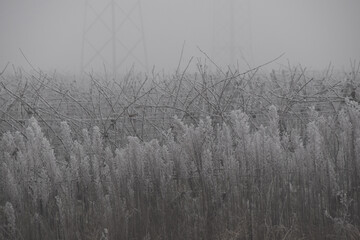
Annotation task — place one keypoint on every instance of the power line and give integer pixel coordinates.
(113, 36)
(232, 33)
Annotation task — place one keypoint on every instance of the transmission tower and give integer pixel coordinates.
(232, 33)
(113, 36)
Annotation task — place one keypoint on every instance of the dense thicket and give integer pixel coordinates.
(198, 182)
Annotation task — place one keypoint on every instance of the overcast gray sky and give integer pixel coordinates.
(309, 32)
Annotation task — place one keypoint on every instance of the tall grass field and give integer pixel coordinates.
(209, 155)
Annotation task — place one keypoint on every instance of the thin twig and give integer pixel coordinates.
(4, 68)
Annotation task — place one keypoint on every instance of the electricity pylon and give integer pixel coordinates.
(232, 33)
(113, 36)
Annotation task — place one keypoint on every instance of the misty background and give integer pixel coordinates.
(310, 33)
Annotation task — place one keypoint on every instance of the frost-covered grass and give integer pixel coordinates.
(144, 105)
(207, 181)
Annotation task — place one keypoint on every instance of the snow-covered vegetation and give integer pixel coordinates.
(234, 165)
(200, 182)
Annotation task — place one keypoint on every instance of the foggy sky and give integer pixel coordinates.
(309, 32)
